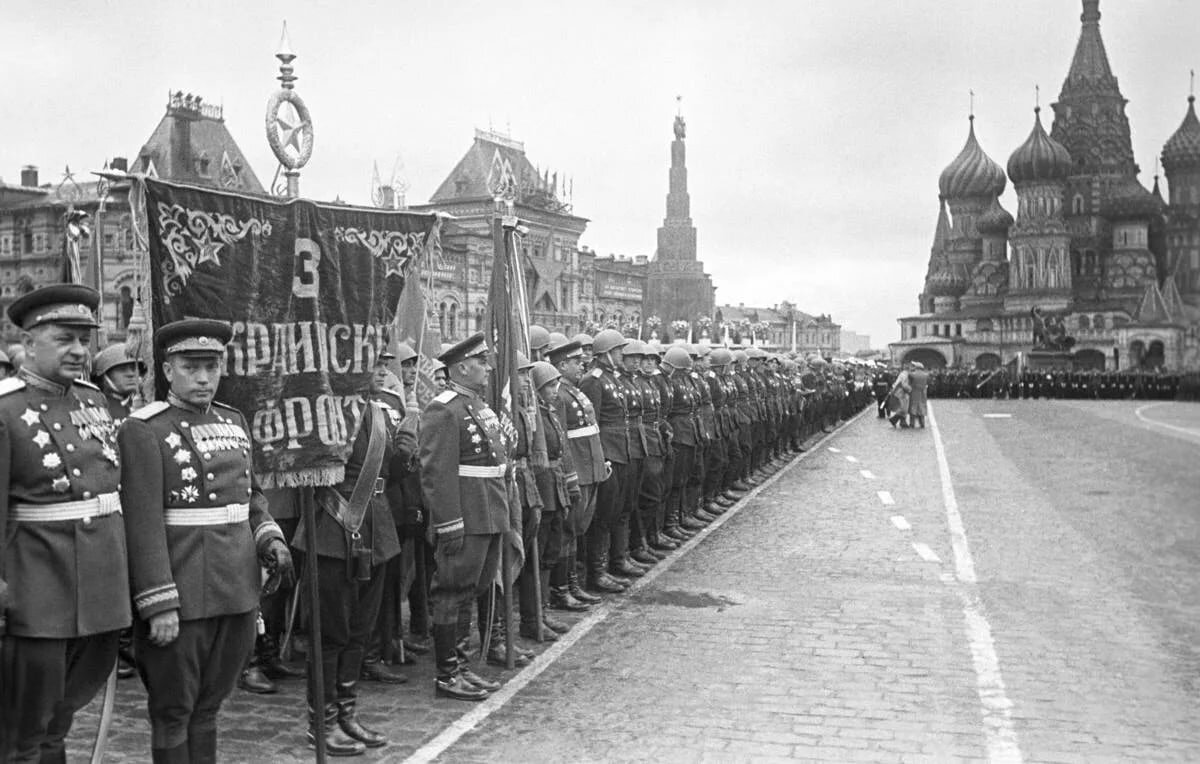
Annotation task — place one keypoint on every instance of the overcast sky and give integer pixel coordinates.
(816, 130)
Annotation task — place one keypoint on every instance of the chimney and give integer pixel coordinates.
(29, 176)
(121, 164)
(389, 197)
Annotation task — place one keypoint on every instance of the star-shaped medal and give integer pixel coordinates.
(182, 457)
(30, 417)
(42, 439)
(188, 474)
(51, 461)
(173, 440)
(61, 484)
(190, 493)
(110, 454)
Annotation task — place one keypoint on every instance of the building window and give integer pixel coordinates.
(1085, 323)
(1098, 321)
(39, 242)
(958, 330)
(912, 332)
(935, 330)
(442, 319)
(5, 245)
(1077, 204)
(453, 320)
(946, 330)
(125, 308)
(27, 240)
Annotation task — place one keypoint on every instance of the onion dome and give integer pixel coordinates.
(1040, 157)
(972, 173)
(1129, 200)
(948, 281)
(1183, 148)
(995, 220)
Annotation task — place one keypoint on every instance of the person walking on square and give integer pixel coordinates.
(918, 380)
(197, 529)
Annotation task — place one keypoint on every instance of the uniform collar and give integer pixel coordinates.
(178, 402)
(461, 389)
(40, 383)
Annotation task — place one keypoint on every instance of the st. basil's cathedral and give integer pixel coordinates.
(1090, 247)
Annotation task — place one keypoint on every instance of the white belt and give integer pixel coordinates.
(104, 504)
(494, 471)
(583, 432)
(226, 515)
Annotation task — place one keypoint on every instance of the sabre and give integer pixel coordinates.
(106, 714)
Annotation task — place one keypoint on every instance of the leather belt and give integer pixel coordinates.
(229, 514)
(490, 471)
(104, 504)
(583, 432)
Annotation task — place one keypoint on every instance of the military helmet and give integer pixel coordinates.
(635, 347)
(522, 361)
(607, 340)
(703, 349)
(720, 357)
(110, 358)
(584, 339)
(740, 356)
(543, 373)
(653, 349)
(539, 337)
(678, 357)
(558, 339)
(403, 352)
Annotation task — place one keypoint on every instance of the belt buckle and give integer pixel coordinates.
(380, 483)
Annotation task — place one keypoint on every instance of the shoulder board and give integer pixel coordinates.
(445, 396)
(226, 406)
(391, 399)
(11, 385)
(597, 372)
(88, 385)
(150, 410)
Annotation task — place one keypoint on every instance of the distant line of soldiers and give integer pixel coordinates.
(141, 531)
(1082, 385)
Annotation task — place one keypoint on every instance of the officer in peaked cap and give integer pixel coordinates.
(197, 529)
(64, 591)
(463, 475)
(587, 457)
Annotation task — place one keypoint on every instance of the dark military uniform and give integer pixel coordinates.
(587, 458)
(650, 493)
(62, 542)
(607, 395)
(682, 415)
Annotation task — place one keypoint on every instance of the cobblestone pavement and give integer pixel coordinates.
(845, 613)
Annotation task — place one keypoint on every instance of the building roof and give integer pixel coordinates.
(768, 315)
(1182, 149)
(972, 173)
(1040, 157)
(1090, 73)
(497, 163)
(192, 144)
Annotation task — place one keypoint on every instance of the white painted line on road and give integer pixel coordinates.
(927, 554)
(886, 497)
(867, 474)
(1155, 423)
(835, 450)
(998, 728)
(497, 700)
(901, 523)
(852, 459)
(997, 416)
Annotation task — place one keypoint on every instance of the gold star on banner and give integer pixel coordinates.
(173, 440)
(42, 439)
(394, 262)
(182, 457)
(208, 253)
(30, 417)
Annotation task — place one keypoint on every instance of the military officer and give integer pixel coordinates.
(64, 592)
(591, 469)
(464, 478)
(197, 528)
(118, 375)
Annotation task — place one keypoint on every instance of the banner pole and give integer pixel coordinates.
(308, 508)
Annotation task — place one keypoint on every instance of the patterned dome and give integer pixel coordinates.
(948, 281)
(1183, 148)
(995, 220)
(1040, 157)
(972, 173)
(1130, 200)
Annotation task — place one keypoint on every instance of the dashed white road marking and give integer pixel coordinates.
(835, 450)
(886, 497)
(927, 554)
(852, 459)
(997, 416)
(867, 474)
(901, 523)
(998, 728)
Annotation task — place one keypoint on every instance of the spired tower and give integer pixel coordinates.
(1181, 162)
(677, 288)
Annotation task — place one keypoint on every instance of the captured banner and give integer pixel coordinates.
(310, 290)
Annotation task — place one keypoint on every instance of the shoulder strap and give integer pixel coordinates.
(352, 514)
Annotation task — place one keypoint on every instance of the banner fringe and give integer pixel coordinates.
(314, 477)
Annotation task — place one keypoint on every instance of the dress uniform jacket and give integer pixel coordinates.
(378, 530)
(66, 577)
(194, 516)
(652, 414)
(554, 483)
(583, 434)
(607, 395)
(706, 425)
(464, 466)
(682, 411)
(634, 404)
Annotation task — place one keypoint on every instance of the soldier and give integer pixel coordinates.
(682, 415)
(591, 469)
(464, 478)
(558, 486)
(718, 456)
(628, 522)
(197, 528)
(607, 395)
(585, 344)
(118, 376)
(64, 593)
(650, 545)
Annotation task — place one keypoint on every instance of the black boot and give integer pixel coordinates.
(337, 743)
(254, 680)
(347, 718)
(600, 580)
(497, 654)
(576, 590)
(202, 746)
(176, 755)
(449, 682)
(266, 655)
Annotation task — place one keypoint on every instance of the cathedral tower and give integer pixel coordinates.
(1181, 162)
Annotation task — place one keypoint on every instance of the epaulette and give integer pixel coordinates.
(597, 372)
(11, 385)
(150, 410)
(85, 383)
(226, 406)
(445, 396)
(395, 398)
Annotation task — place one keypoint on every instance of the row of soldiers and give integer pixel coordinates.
(149, 522)
(1092, 384)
